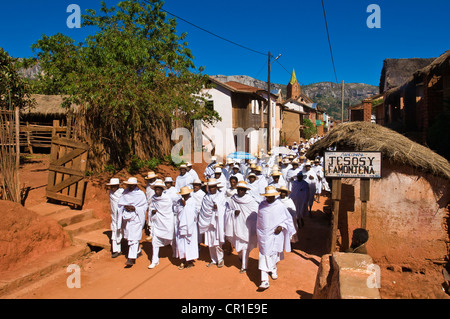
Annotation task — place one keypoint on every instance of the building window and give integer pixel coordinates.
(209, 105)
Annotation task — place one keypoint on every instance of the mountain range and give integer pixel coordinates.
(327, 95)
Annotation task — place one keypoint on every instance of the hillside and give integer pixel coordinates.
(326, 94)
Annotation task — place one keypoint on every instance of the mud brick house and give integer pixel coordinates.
(244, 114)
(408, 211)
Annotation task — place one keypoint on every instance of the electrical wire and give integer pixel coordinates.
(329, 41)
(212, 33)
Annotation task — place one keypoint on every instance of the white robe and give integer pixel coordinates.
(116, 232)
(198, 198)
(300, 197)
(269, 217)
(209, 170)
(186, 230)
(291, 175)
(132, 222)
(241, 230)
(183, 180)
(211, 221)
(289, 204)
(193, 173)
(312, 182)
(163, 220)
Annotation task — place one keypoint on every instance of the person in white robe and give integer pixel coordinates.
(209, 170)
(184, 179)
(311, 178)
(240, 227)
(115, 191)
(191, 171)
(254, 190)
(149, 192)
(300, 197)
(235, 172)
(162, 218)
(230, 191)
(318, 169)
(197, 195)
(171, 190)
(289, 204)
(186, 229)
(277, 179)
(132, 207)
(220, 176)
(274, 229)
(291, 174)
(211, 222)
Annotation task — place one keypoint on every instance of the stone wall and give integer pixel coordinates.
(347, 276)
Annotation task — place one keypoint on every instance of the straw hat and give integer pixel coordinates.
(188, 164)
(212, 182)
(185, 190)
(236, 166)
(276, 173)
(270, 191)
(252, 165)
(113, 181)
(151, 175)
(242, 184)
(196, 181)
(213, 158)
(182, 166)
(218, 170)
(131, 181)
(158, 183)
(259, 168)
(168, 180)
(283, 188)
(252, 174)
(308, 163)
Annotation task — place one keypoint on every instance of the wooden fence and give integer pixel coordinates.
(40, 136)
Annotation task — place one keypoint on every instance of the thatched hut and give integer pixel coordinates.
(396, 72)
(45, 110)
(407, 215)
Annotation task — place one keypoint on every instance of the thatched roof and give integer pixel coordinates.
(46, 105)
(396, 72)
(365, 136)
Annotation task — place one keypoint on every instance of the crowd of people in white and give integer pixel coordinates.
(251, 203)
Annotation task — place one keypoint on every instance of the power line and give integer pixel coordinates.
(329, 42)
(212, 33)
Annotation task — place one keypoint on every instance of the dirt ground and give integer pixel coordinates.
(104, 277)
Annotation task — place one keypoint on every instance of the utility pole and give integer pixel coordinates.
(342, 107)
(269, 113)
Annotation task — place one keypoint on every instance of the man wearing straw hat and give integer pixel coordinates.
(274, 229)
(240, 227)
(161, 215)
(132, 206)
(290, 206)
(184, 179)
(300, 196)
(149, 192)
(115, 191)
(186, 229)
(211, 222)
(191, 171)
(209, 170)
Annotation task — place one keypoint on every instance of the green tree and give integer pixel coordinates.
(308, 129)
(12, 87)
(134, 74)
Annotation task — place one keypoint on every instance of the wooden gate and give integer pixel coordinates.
(68, 162)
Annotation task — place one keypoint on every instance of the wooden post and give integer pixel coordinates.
(336, 196)
(365, 197)
(17, 120)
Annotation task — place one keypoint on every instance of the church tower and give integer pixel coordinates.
(293, 88)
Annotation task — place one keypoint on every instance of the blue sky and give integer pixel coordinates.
(294, 29)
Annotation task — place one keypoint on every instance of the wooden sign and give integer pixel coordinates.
(352, 164)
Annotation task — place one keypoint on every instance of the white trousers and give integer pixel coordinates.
(133, 249)
(216, 254)
(156, 244)
(116, 237)
(244, 254)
